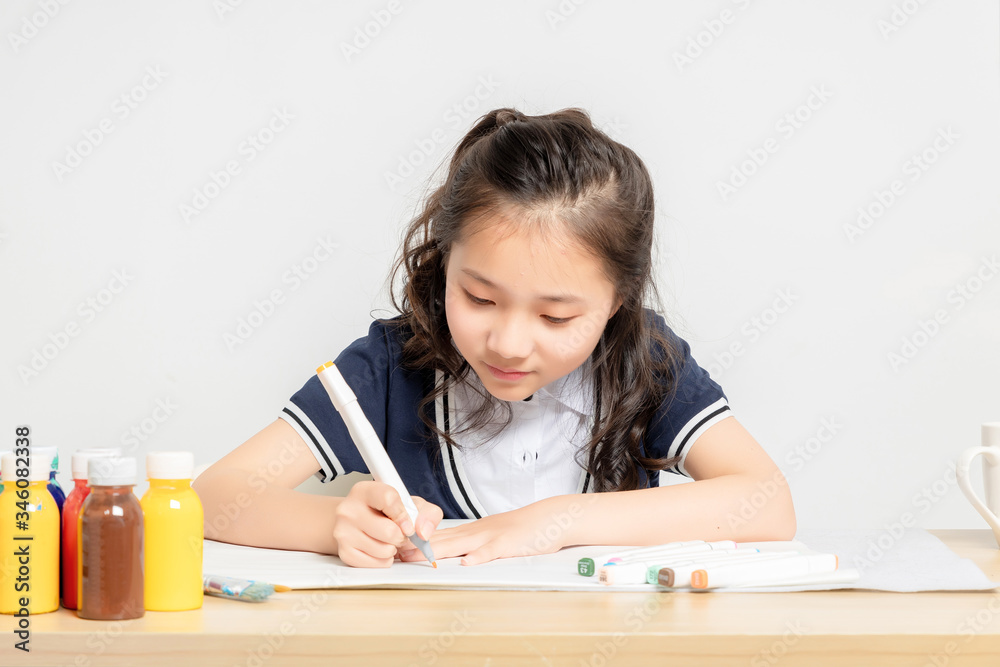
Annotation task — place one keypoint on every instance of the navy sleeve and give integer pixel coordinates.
(692, 405)
(365, 365)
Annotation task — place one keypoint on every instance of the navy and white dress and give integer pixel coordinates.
(537, 456)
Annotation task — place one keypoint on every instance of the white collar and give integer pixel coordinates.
(574, 390)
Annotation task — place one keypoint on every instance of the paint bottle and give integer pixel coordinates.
(57, 491)
(110, 550)
(69, 586)
(54, 489)
(175, 532)
(29, 537)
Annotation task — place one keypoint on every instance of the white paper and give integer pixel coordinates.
(917, 561)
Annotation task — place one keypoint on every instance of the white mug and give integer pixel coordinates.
(991, 476)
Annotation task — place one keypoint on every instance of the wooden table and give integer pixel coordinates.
(396, 627)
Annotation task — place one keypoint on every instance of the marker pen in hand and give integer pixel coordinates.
(369, 445)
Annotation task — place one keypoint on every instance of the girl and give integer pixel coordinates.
(524, 383)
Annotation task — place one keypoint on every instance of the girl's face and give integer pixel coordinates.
(524, 309)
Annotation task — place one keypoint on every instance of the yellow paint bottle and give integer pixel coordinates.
(175, 531)
(29, 537)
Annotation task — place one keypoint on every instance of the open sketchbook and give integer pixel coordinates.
(919, 562)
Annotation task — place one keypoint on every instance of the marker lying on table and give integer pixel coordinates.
(589, 566)
(637, 572)
(762, 573)
(678, 575)
(370, 446)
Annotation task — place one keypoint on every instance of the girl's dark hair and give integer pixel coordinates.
(561, 170)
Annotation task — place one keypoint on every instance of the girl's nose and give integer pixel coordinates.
(510, 338)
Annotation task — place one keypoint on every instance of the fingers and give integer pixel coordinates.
(363, 510)
(429, 516)
(365, 536)
(483, 554)
(473, 548)
(363, 551)
(386, 500)
(412, 554)
(371, 525)
(358, 548)
(449, 543)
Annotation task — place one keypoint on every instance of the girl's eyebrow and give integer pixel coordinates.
(553, 298)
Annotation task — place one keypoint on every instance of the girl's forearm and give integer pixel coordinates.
(742, 508)
(243, 509)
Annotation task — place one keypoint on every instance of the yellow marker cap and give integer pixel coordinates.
(326, 365)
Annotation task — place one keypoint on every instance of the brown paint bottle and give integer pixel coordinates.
(111, 542)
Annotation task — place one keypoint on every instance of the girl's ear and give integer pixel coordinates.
(618, 304)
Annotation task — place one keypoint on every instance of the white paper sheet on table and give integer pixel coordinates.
(916, 561)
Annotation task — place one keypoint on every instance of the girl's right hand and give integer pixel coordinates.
(371, 525)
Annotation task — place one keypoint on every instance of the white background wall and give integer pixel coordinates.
(885, 79)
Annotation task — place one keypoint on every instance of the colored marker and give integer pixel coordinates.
(678, 575)
(370, 446)
(842, 575)
(589, 566)
(733, 555)
(642, 551)
(636, 572)
(748, 574)
(659, 552)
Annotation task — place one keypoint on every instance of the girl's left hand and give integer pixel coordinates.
(540, 528)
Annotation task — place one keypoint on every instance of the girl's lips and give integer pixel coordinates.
(506, 375)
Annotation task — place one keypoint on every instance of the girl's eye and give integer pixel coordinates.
(483, 302)
(476, 300)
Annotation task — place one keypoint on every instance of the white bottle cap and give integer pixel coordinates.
(38, 470)
(111, 471)
(81, 456)
(52, 452)
(169, 465)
